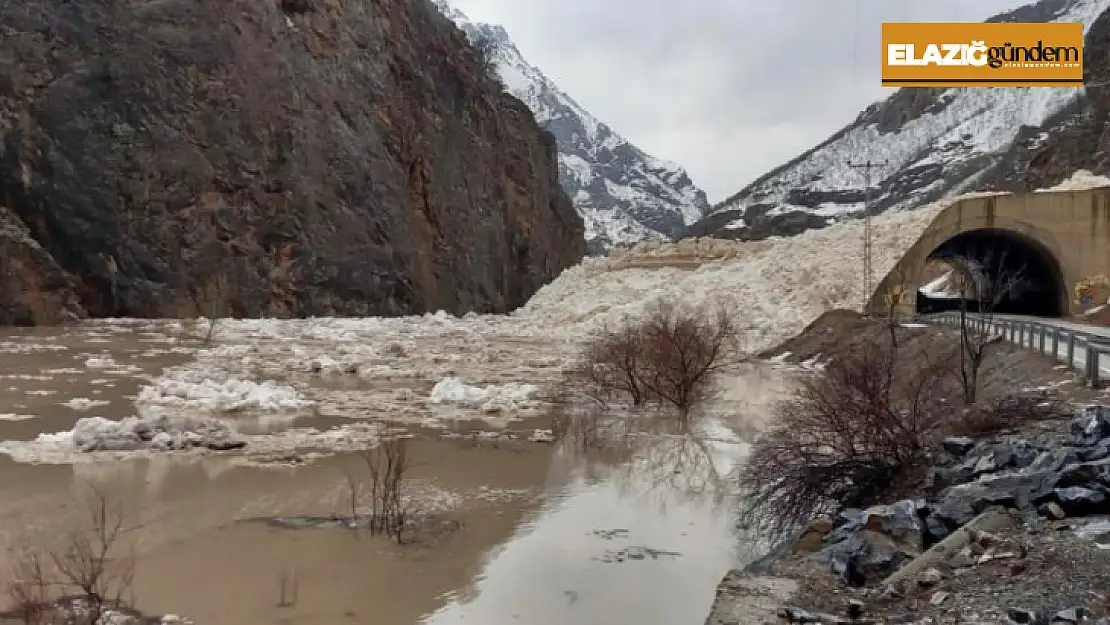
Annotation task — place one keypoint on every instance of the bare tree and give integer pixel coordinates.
(845, 438)
(988, 281)
(214, 301)
(893, 297)
(89, 562)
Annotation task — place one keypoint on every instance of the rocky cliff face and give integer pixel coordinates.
(930, 143)
(266, 157)
(624, 194)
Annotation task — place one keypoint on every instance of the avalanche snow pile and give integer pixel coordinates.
(776, 286)
(623, 194)
(929, 143)
(437, 370)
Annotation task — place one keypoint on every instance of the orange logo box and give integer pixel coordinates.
(974, 54)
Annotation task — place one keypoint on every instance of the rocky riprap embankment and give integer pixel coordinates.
(1009, 530)
(280, 159)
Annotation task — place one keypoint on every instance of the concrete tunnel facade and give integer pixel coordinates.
(1059, 238)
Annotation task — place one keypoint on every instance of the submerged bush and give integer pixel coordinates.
(847, 438)
(668, 358)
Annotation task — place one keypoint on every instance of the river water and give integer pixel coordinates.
(528, 531)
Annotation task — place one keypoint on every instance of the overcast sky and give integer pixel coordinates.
(692, 81)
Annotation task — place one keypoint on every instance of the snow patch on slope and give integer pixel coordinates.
(974, 125)
(1079, 181)
(623, 194)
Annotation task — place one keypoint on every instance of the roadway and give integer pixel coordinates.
(1060, 323)
(1081, 331)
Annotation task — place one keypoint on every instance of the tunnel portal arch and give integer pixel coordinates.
(1002, 256)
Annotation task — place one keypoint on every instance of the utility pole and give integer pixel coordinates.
(868, 278)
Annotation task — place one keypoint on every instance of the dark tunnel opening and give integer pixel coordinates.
(1009, 274)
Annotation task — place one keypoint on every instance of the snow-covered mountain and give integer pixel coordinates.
(927, 142)
(623, 194)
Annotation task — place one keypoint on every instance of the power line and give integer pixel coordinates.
(868, 277)
(855, 38)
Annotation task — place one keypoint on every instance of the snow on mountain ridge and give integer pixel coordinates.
(623, 194)
(934, 143)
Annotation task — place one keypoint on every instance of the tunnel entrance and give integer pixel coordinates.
(993, 269)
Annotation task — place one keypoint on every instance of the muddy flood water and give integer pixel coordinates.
(520, 530)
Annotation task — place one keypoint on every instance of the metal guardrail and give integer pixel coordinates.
(1079, 350)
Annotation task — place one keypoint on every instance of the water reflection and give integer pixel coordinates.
(633, 530)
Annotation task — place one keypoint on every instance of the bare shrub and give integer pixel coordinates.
(29, 588)
(82, 578)
(845, 438)
(648, 452)
(668, 358)
(684, 350)
(1009, 412)
(384, 484)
